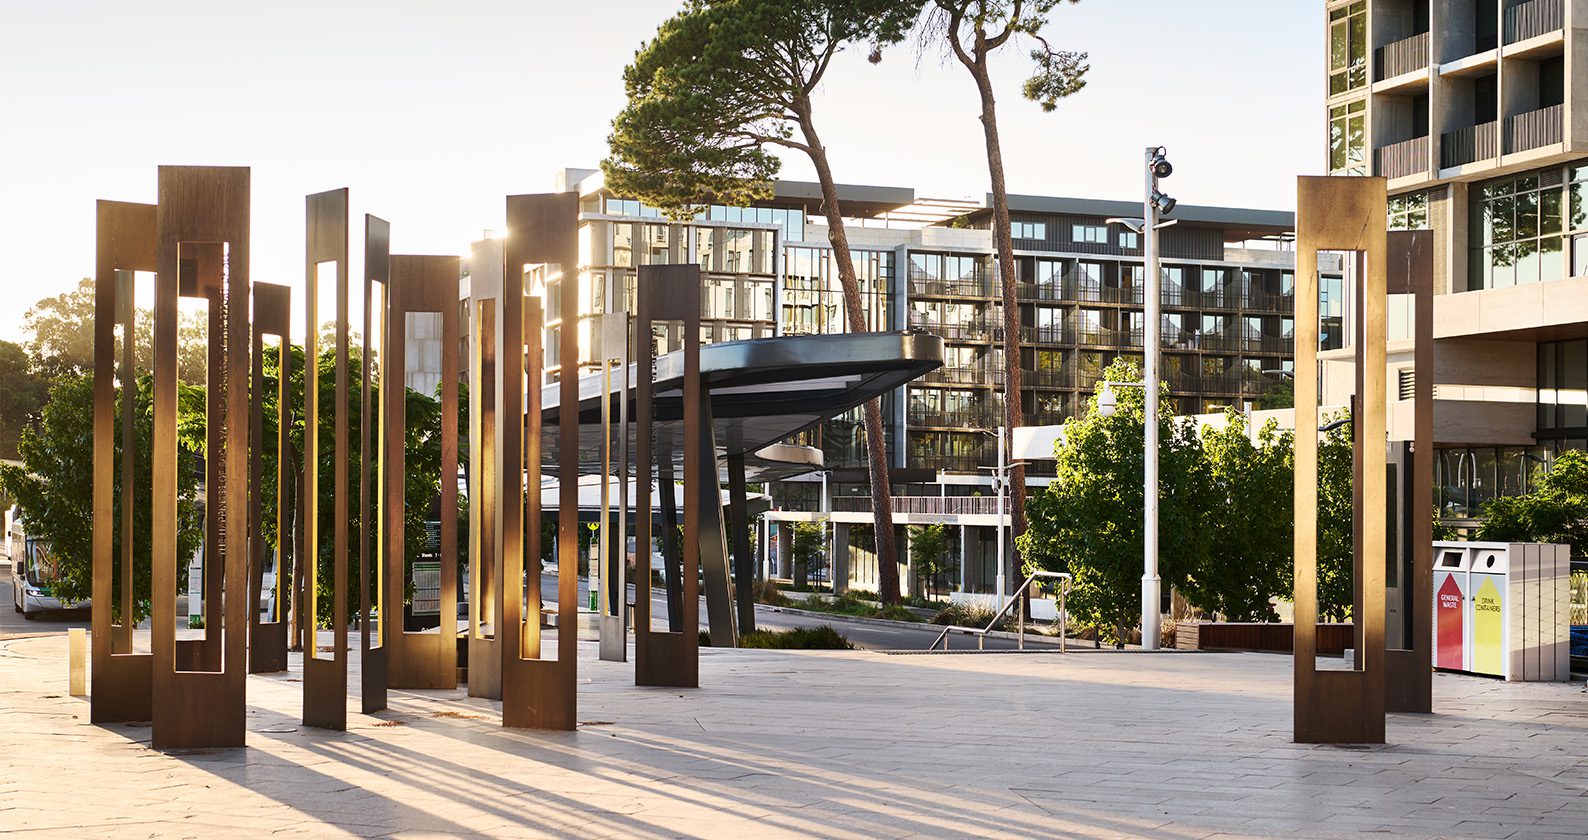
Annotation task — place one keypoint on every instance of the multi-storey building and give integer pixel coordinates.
(930, 265)
(1476, 111)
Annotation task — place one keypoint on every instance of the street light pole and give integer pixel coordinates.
(1153, 299)
(1002, 481)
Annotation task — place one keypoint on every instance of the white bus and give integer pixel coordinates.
(32, 571)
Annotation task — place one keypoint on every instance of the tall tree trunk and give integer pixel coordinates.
(1004, 248)
(876, 443)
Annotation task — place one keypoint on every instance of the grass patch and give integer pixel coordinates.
(822, 637)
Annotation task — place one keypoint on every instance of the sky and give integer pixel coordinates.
(430, 113)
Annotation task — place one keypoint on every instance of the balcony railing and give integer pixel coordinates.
(1403, 56)
(956, 418)
(963, 376)
(1465, 145)
(926, 505)
(972, 330)
(1533, 18)
(1059, 377)
(980, 286)
(1534, 128)
(1397, 160)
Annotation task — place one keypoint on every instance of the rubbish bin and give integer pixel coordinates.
(1503, 609)
(1451, 584)
(1487, 611)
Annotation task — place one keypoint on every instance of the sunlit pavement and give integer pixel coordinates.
(817, 744)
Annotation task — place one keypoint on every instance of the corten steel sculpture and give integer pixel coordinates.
(1408, 678)
(203, 249)
(485, 308)
(1341, 214)
(612, 347)
(127, 241)
(374, 667)
(420, 285)
(325, 680)
(668, 293)
(542, 247)
(267, 638)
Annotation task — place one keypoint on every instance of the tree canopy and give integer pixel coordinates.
(720, 83)
(1554, 511)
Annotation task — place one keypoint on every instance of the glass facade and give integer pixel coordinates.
(1563, 391)
(1348, 48)
(1348, 138)
(813, 299)
(791, 219)
(1408, 212)
(1515, 230)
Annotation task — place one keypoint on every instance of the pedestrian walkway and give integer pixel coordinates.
(818, 744)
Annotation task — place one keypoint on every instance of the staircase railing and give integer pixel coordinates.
(1017, 603)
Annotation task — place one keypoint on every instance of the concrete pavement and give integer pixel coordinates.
(818, 744)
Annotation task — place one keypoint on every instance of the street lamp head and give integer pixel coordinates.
(1160, 165)
(1107, 403)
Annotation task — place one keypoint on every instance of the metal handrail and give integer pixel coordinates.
(1016, 601)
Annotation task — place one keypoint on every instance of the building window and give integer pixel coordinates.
(1129, 239)
(1348, 139)
(1408, 212)
(1028, 230)
(1515, 230)
(1347, 48)
(1089, 234)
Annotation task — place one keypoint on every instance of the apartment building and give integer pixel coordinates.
(1476, 111)
(929, 264)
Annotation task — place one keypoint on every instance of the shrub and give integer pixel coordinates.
(895, 612)
(822, 637)
(766, 592)
(966, 615)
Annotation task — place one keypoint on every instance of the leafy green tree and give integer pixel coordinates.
(809, 546)
(22, 394)
(929, 553)
(1249, 523)
(55, 485)
(62, 337)
(1089, 520)
(1554, 511)
(723, 83)
(1335, 535)
(973, 31)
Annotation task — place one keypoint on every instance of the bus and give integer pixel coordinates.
(33, 570)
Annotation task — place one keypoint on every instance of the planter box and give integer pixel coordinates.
(1333, 639)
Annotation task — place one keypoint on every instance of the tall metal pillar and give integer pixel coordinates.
(743, 559)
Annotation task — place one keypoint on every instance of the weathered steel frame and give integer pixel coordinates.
(1341, 214)
(267, 640)
(1408, 674)
(206, 207)
(420, 285)
(663, 293)
(374, 659)
(543, 232)
(325, 680)
(485, 312)
(126, 242)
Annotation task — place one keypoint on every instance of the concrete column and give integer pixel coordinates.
(840, 562)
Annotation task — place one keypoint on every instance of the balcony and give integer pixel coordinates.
(1465, 145)
(1404, 56)
(1398, 160)
(926, 505)
(1533, 129)
(963, 376)
(956, 418)
(976, 329)
(977, 286)
(1059, 377)
(1532, 19)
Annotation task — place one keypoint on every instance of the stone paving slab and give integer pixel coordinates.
(817, 744)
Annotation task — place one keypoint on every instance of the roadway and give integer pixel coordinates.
(868, 635)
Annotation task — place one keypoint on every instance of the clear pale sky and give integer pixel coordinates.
(432, 112)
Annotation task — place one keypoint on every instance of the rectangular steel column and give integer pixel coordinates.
(267, 639)
(374, 659)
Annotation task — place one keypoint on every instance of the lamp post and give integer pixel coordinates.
(1000, 485)
(1155, 205)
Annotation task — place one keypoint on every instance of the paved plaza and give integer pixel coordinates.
(817, 744)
